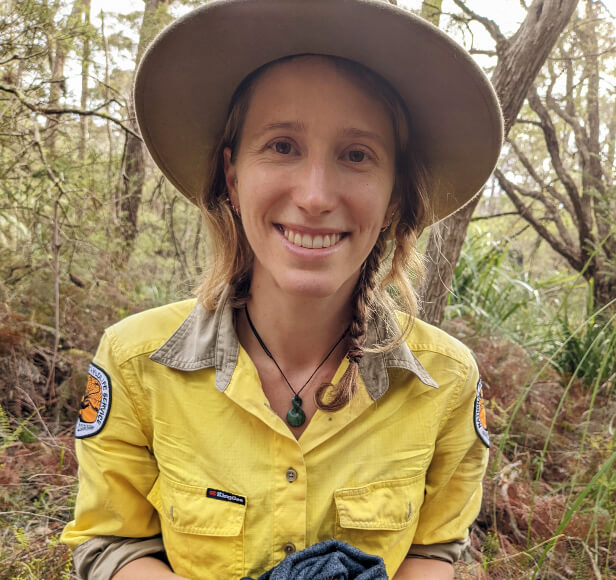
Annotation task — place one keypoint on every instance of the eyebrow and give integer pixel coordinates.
(296, 126)
(362, 134)
(300, 127)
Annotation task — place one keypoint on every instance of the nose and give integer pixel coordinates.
(316, 191)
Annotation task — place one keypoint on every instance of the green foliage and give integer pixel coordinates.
(10, 434)
(587, 351)
(491, 285)
(490, 549)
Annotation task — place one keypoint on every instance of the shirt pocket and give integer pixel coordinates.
(203, 535)
(380, 518)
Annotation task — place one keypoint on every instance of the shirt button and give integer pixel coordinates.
(291, 475)
(289, 548)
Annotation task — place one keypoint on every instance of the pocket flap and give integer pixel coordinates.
(383, 505)
(190, 510)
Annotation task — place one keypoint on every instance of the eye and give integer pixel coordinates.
(356, 156)
(282, 147)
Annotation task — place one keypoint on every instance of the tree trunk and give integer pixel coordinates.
(519, 60)
(59, 43)
(85, 73)
(155, 16)
(604, 293)
(431, 11)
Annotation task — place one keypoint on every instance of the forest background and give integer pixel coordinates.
(90, 232)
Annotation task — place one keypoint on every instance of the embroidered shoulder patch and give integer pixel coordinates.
(95, 404)
(479, 418)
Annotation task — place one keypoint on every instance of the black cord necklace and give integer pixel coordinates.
(296, 415)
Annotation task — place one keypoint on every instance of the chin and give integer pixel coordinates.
(308, 290)
(314, 287)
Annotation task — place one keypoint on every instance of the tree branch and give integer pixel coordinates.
(522, 56)
(522, 121)
(41, 110)
(16, 56)
(488, 24)
(540, 182)
(551, 141)
(581, 136)
(479, 218)
(483, 52)
(549, 207)
(603, 52)
(55, 252)
(564, 250)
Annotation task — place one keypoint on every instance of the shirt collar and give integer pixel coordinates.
(208, 339)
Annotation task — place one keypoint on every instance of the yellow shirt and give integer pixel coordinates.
(178, 438)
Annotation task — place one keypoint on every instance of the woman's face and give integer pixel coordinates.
(312, 178)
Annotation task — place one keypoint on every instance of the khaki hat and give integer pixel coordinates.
(187, 77)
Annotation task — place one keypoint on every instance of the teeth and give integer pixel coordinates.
(307, 241)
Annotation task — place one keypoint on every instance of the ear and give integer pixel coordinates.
(230, 177)
(389, 214)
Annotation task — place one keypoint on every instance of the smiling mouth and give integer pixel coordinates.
(315, 242)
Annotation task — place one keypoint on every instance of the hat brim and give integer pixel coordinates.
(187, 77)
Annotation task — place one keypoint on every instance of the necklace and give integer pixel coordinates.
(296, 415)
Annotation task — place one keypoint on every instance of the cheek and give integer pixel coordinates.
(374, 200)
(258, 185)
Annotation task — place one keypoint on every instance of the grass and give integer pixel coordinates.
(552, 495)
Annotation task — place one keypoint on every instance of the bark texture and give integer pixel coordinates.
(155, 16)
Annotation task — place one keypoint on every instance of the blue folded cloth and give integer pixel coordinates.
(328, 560)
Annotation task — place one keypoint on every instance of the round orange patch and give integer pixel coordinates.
(91, 401)
(95, 404)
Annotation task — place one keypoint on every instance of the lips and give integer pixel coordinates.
(312, 241)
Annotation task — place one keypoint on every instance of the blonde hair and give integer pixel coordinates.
(379, 288)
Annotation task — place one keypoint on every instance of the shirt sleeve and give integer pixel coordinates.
(450, 552)
(454, 478)
(116, 471)
(103, 556)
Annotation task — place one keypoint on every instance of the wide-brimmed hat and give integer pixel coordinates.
(187, 77)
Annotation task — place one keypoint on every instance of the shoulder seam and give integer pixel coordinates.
(129, 384)
(460, 383)
(463, 355)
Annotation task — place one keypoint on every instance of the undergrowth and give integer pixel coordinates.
(549, 367)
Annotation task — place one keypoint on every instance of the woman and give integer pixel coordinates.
(290, 404)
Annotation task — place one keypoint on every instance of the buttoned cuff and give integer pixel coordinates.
(449, 552)
(101, 557)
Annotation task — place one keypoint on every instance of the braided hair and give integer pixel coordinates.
(362, 302)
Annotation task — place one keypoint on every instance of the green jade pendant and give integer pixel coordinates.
(295, 416)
